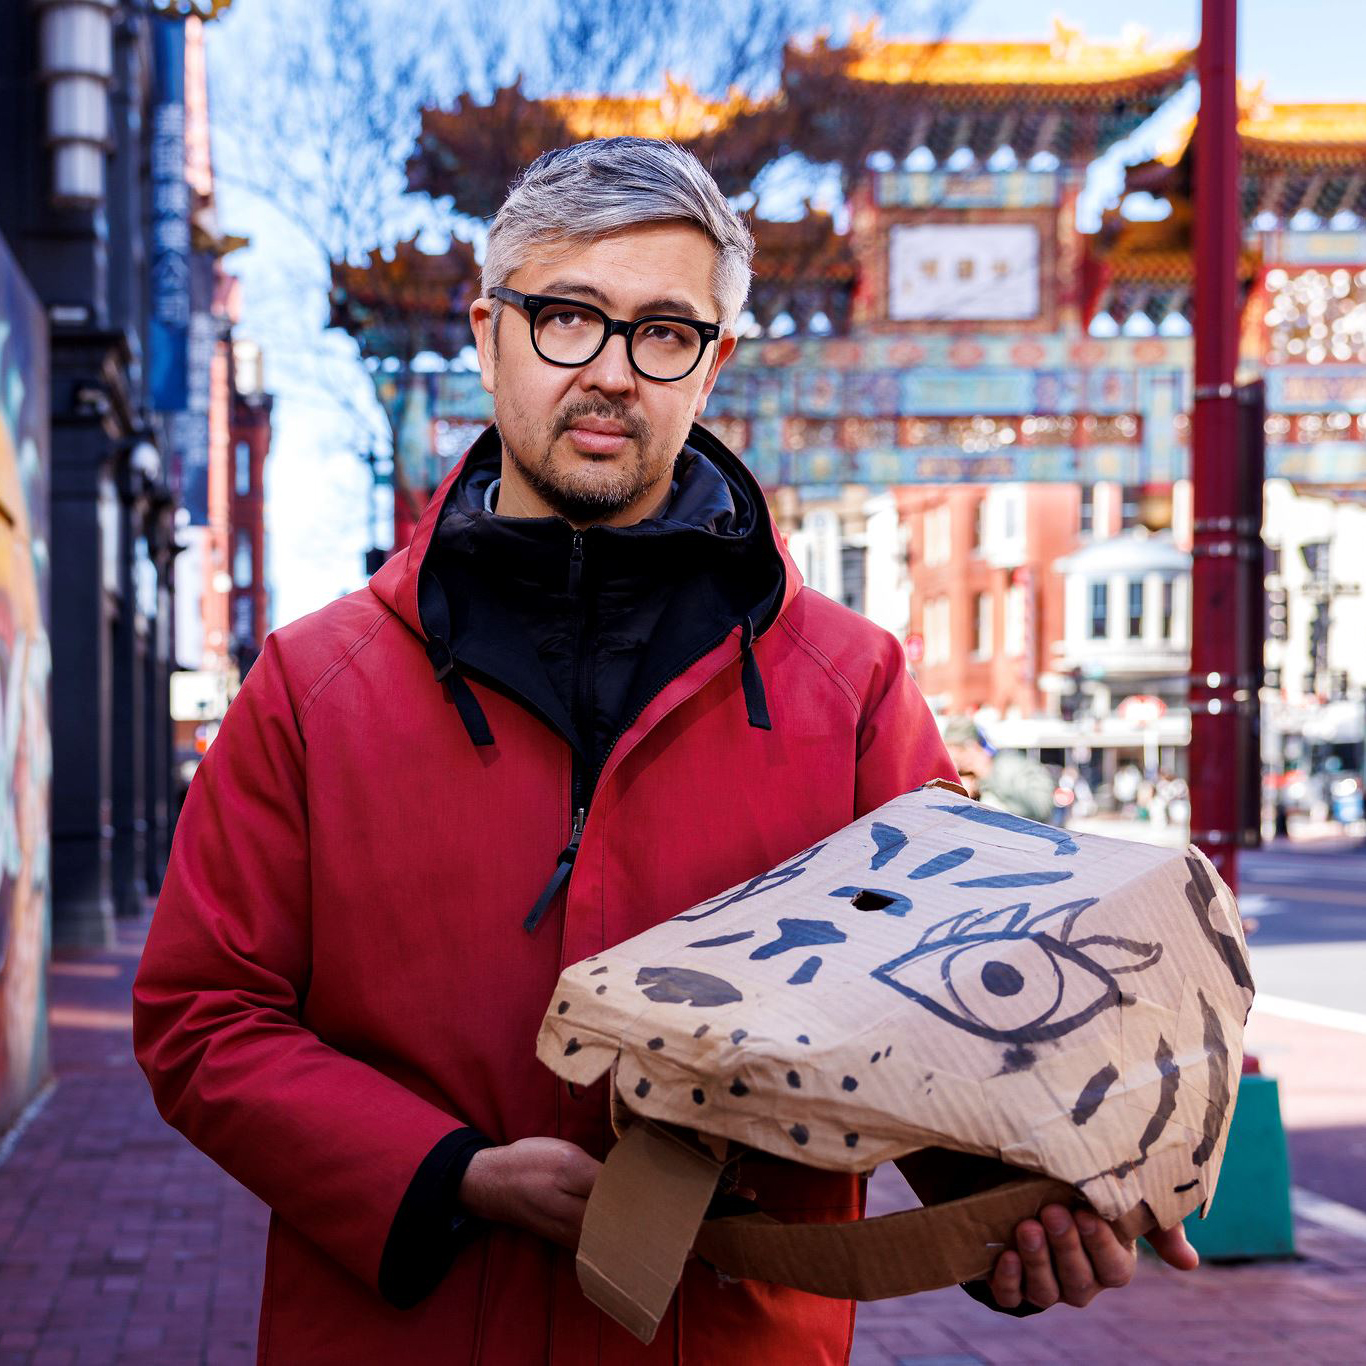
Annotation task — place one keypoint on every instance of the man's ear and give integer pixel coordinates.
(485, 339)
(725, 348)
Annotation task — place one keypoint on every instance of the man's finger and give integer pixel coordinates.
(1172, 1245)
(1040, 1285)
(1005, 1281)
(1112, 1261)
(1071, 1265)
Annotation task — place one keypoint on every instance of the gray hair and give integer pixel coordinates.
(594, 188)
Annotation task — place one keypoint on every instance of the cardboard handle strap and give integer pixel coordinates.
(646, 1212)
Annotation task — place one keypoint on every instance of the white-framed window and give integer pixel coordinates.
(981, 626)
(1014, 642)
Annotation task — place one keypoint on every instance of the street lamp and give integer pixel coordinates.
(76, 60)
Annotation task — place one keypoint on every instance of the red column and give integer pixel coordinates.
(1221, 695)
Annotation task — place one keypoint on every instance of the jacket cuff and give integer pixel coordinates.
(430, 1227)
(981, 1292)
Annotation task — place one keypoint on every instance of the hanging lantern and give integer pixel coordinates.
(76, 60)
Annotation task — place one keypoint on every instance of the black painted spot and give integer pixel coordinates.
(721, 940)
(738, 1034)
(887, 1052)
(1016, 1059)
(806, 972)
(889, 841)
(1002, 979)
(940, 863)
(686, 986)
(801, 1038)
(851, 1140)
(643, 1088)
(599, 991)
(655, 1045)
(699, 1096)
(562, 1007)
(1185, 1186)
(799, 1134)
(738, 1088)
(850, 1083)
(794, 1080)
(700, 1030)
(572, 1047)
(799, 933)
(1088, 1102)
(1216, 1050)
(597, 972)
(876, 1056)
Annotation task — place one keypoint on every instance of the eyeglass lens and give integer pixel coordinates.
(660, 349)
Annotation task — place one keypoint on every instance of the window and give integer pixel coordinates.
(1168, 603)
(937, 645)
(853, 575)
(981, 626)
(938, 536)
(1099, 610)
(1088, 509)
(1012, 517)
(979, 515)
(242, 462)
(1015, 621)
(241, 560)
(1135, 608)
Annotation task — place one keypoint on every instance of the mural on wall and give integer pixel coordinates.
(25, 668)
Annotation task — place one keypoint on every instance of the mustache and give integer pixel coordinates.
(634, 425)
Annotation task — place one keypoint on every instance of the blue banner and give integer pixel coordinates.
(170, 245)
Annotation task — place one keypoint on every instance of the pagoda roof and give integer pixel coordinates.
(1068, 67)
(408, 300)
(1294, 156)
(1068, 95)
(1148, 265)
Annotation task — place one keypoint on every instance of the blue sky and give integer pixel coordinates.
(317, 515)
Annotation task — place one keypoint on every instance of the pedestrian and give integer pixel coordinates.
(590, 693)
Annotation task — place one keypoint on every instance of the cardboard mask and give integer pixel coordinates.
(937, 976)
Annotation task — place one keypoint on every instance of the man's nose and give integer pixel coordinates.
(609, 372)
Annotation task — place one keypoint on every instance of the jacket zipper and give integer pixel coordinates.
(578, 803)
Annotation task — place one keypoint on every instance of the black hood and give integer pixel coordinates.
(529, 604)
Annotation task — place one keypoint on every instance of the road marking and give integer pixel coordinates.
(30, 1112)
(1333, 1214)
(1328, 1016)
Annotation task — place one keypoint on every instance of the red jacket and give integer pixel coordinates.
(337, 974)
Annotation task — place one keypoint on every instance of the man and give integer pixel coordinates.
(589, 694)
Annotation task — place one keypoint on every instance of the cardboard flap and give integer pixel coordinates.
(646, 1210)
(639, 1225)
(886, 1257)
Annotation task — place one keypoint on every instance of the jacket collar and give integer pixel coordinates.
(396, 582)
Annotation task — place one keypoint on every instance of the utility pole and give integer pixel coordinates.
(1225, 766)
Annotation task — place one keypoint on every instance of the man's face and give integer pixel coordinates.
(597, 442)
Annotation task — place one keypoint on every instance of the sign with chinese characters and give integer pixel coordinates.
(949, 272)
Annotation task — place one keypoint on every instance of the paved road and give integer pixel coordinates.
(1309, 903)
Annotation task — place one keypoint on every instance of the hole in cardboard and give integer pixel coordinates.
(868, 900)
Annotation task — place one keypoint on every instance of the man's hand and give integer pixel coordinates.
(1072, 1258)
(539, 1184)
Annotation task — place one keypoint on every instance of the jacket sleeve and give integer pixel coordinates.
(899, 745)
(326, 1141)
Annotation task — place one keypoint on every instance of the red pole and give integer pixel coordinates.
(1220, 694)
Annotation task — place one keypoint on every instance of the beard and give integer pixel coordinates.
(592, 488)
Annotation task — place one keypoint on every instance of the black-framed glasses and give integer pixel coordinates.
(570, 332)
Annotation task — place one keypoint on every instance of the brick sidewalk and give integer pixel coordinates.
(120, 1244)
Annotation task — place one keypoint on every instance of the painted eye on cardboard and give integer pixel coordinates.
(1001, 976)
